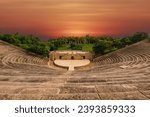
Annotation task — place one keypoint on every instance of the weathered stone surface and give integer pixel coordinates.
(123, 96)
(72, 64)
(27, 76)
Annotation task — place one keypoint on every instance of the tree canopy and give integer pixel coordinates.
(97, 44)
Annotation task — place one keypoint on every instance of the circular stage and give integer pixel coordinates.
(71, 64)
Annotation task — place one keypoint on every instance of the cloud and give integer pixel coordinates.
(75, 15)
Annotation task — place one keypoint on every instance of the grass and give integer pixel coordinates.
(87, 47)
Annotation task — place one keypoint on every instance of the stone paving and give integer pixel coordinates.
(71, 64)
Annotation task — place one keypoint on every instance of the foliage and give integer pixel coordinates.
(64, 47)
(87, 47)
(31, 43)
(75, 46)
(97, 44)
(103, 47)
(139, 36)
(41, 49)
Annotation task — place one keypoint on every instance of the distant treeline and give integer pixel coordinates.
(99, 44)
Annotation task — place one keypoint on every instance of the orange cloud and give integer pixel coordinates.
(74, 17)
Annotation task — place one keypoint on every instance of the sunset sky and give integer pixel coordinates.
(53, 18)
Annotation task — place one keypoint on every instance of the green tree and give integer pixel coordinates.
(102, 47)
(76, 46)
(41, 49)
(139, 36)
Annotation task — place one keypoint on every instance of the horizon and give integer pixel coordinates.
(49, 19)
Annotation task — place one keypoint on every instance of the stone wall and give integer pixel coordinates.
(70, 55)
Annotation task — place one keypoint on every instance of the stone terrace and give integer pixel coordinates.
(124, 74)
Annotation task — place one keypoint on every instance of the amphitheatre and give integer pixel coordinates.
(122, 74)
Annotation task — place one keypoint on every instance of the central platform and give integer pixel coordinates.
(71, 64)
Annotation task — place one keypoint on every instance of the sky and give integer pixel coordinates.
(54, 18)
